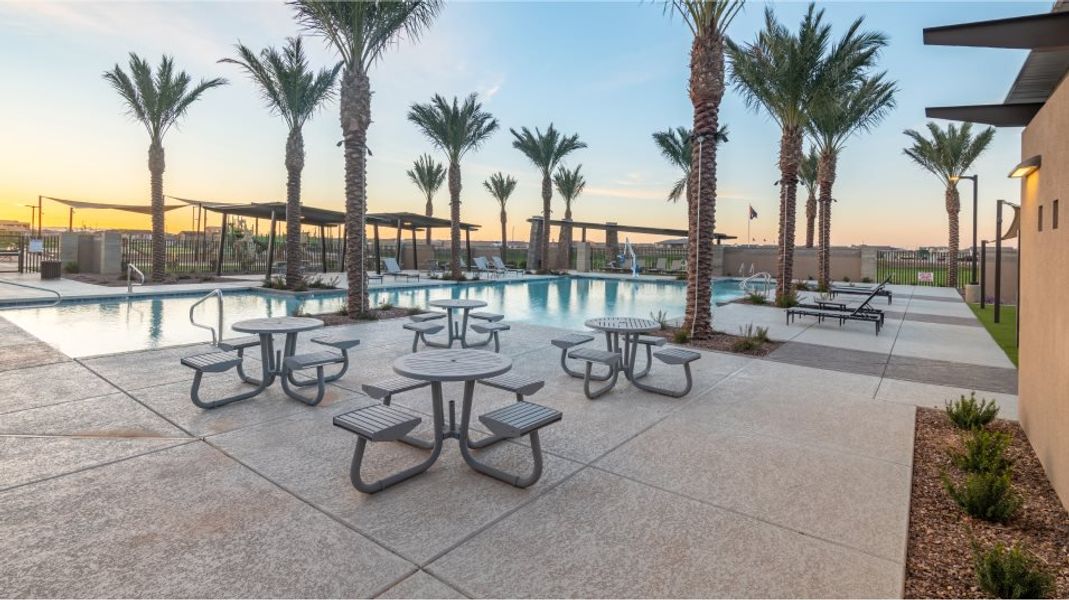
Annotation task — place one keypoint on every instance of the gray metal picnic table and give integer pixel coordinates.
(274, 361)
(456, 330)
(630, 328)
(443, 366)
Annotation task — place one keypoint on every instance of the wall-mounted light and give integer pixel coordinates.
(1026, 167)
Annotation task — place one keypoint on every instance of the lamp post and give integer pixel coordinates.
(33, 216)
(983, 271)
(975, 193)
(998, 256)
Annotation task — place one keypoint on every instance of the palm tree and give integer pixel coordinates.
(948, 155)
(455, 129)
(708, 21)
(807, 176)
(833, 118)
(545, 151)
(360, 32)
(784, 73)
(295, 92)
(501, 187)
(157, 100)
(675, 146)
(428, 175)
(570, 184)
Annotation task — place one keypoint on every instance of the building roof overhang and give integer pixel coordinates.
(999, 115)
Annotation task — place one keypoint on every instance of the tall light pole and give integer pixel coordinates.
(33, 216)
(975, 188)
(998, 256)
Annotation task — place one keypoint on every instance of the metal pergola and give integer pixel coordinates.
(406, 221)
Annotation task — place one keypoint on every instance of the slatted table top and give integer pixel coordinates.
(623, 324)
(457, 303)
(277, 325)
(452, 365)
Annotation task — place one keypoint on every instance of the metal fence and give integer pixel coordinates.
(921, 267)
(648, 254)
(246, 254)
(16, 255)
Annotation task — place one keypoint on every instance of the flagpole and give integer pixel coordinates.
(749, 212)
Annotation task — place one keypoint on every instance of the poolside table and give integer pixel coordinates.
(457, 330)
(441, 366)
(273, 361)
(630, 328)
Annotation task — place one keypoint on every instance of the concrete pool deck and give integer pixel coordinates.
(782, 476)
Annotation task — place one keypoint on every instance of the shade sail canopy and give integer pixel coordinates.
(407, 220)
(134, 208)
(310, 215)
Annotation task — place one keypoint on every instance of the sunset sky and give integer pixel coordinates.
(612, 72)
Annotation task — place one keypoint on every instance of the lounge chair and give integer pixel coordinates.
(660, 266)
(678, 267)
(824, 311)
(394, 269)
(482, 267)
(861, 290)
(503, 268)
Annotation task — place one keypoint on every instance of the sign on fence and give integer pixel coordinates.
(925, 277)
(37, 246)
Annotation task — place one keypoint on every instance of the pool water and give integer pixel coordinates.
(89, 328)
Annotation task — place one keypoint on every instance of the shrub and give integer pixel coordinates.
(412, 310)
(846, 279)
(318, 283)
(801, 286)
(984, 453)
(681, 277)
(787, 299)
(756, 298)
(987, 496)
(1012, 573)
(71, 267)
(662, 319)
(385, 306)
(751, 338)
(967, 413)
(276, 283)
(866, 280)
(682, 336)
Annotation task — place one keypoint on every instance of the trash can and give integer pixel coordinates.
(51, 269)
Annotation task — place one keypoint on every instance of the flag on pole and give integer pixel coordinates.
(753, 213)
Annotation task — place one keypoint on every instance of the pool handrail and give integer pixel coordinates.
(218, 294)
(744, 285)
(59, 297)
(130, 270)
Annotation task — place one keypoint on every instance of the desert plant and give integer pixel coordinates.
(801, 286)
(682, 336)
(386, 306)
(756, 298)
(413, 310)
(967, 413)
(317, 282)
(751, 338)
(157, 100)
(71, 267)
(985, 452)
(846, 279)
(1012, 572)
(866, 280)
(987, 496)
(787, 299)
(662, 319)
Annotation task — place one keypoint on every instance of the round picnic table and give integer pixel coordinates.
(460, 365)
(457, 331)
(630, 328)
(267, 328)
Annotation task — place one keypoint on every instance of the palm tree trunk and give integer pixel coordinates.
(156, 166)
(825, 180)
(953, 208)
(294, 166)
(454, 217)
(810, 217)
(430, 213)
(547, 195)
(790, 156)
(355, 114)
(706, 92)
(564, 241)
(504, 235)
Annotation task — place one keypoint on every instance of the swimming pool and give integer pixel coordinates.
(90, 327)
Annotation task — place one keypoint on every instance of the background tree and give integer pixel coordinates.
(501, 187)
(948, 154)
(545, 151)
(807, 176)
(428, 175)
(455, 129)
(360, 32)
(783, 73)
(675, 146)
(708, 21)
(570, 184)
(295, 92)
(157, 101)
(858, 105)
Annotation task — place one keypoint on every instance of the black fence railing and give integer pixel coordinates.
(921, 267)
(20, 254)
(246, 254)
(650, 256)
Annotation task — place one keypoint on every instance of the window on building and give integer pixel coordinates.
(1054, 215)
(1041, 217)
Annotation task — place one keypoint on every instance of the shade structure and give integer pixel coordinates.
(134, 208)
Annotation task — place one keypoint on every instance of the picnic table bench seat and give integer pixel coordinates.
(672, 356)
(520, 385)
(378, 423)
(309, 360)
(493, 330)
(421, 331)
(214, 362)
(427, 316)
(592, 356)
(568, 341)
(486, 316)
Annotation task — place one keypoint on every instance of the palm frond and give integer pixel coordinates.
(706, 16)
(500, 187)
(569, 182)
(428, 174)
(546, 150)
(948, 153)
(454, 128)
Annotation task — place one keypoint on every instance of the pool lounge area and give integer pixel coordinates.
(787, 475)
